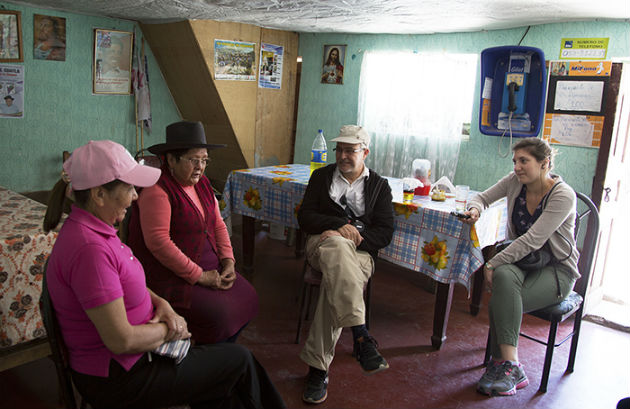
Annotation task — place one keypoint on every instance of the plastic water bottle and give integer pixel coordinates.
(318, 151)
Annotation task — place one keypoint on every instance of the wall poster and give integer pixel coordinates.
(234, 60)
(10, 36)
(49, 38)
(334, 59)
(112, 62)
(11, 91)
(270, 72)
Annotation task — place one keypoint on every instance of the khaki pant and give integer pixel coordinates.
(345, 271)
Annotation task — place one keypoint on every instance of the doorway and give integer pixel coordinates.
(609, 296)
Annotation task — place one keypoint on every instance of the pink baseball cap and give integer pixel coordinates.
(100, 162)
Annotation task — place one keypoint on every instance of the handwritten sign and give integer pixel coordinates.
(572, 130)
(579, 96)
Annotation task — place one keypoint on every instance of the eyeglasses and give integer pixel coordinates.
(198, 162)
(348, 151)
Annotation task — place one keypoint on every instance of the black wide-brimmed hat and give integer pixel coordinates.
(184, 135)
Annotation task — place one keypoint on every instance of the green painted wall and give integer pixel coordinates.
(61, 113)
(330, 106)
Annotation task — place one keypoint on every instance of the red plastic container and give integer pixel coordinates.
(424, 190)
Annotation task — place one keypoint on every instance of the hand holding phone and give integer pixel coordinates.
(460, 215)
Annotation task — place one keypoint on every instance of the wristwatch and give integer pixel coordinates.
(489, 266)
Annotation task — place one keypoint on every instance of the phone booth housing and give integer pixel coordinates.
(513, 89)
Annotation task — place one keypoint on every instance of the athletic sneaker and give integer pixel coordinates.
(316, 388)
(366, 352)
(489, 376)
(508, 380)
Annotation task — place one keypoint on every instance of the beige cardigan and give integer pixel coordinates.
(558, 218)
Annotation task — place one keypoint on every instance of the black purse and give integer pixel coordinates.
(537, 259)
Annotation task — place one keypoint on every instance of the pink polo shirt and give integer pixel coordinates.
(89, 266)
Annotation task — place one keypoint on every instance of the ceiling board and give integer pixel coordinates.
(354, 16)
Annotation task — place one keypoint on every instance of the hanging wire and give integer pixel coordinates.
(526, 31)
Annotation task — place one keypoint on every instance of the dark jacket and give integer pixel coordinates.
(319, 212)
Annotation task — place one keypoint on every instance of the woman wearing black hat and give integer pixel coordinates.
(177, 232)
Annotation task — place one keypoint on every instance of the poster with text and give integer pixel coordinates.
(576, 92)
(270, 72)
(11, 91)
(234, 60)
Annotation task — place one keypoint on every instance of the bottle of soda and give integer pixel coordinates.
(318, 151)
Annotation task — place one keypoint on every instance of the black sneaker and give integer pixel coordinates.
(316, 388)
(366, 353)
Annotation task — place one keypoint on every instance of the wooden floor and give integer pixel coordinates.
(419, 377)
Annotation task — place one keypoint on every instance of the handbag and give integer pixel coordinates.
(537, 259)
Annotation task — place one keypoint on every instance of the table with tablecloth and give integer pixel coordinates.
(427, 238)
(24, 249)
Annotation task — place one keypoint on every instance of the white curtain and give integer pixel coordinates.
(413, 105)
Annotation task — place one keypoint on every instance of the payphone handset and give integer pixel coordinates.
(513, 115)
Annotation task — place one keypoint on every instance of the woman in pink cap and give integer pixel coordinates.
(117, 331)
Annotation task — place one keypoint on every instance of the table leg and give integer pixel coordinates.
(443, 300)
(248, 244)
(477, 290)
(300, 239)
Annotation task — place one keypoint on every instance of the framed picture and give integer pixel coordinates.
(111, 71)
(11, 36)
(332, 69)
(49, 38)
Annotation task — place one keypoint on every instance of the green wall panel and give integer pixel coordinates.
(328, 107)
(60, 111)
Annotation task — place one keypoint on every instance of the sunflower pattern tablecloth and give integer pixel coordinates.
(24, 249)
(427, 238)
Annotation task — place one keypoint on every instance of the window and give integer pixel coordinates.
(416, 106)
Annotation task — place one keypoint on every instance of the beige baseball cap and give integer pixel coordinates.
(353, 134)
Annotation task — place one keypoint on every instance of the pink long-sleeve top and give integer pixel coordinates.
(155, 220)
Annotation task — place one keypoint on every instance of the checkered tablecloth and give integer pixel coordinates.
(272, 193)
(426, 237)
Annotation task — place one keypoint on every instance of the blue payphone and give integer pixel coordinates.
(513, 84)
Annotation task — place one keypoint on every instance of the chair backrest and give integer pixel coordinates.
(57, 345)
(149, 160)
(587, 231)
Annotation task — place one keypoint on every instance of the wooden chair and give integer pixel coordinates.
(311, 279)
(58, 348)
(149, 160)
(573, 305)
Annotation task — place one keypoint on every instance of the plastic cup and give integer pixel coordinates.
(408, 195)
(461, 196)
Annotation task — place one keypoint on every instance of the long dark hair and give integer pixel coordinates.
(329, 60)
(59, 203)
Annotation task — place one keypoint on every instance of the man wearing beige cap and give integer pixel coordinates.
(347, 213)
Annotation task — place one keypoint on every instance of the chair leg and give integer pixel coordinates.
(301, 313)
(486, 357)
(577, 324)
(551, 342)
